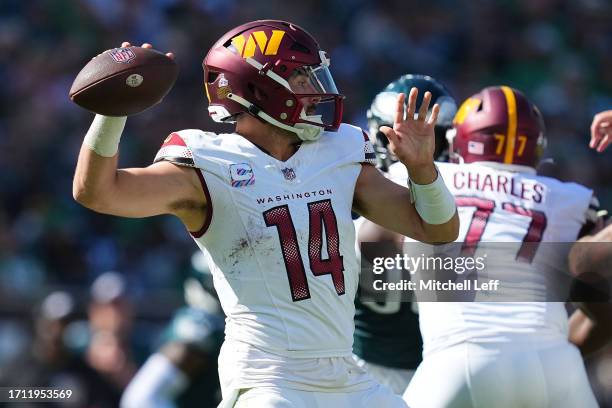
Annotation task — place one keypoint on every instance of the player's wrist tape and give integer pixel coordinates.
(434, 203)
(104, 134)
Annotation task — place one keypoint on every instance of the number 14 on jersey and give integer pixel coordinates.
(322, 220)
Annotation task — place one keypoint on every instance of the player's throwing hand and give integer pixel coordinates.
(145, 45)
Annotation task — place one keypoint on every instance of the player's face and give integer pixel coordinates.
(300, 83)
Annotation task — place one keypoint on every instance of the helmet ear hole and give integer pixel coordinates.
(479, 107)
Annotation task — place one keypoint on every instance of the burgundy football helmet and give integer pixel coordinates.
(498, 124)
(249, 69)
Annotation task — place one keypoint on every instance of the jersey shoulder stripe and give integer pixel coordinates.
(354, 141)
(178, 147)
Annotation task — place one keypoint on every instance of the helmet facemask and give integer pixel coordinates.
(318, 101)
(314, 104)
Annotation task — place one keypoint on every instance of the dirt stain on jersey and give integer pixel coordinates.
(259, 244)
(238, 250)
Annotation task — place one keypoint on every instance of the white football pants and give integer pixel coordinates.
(472, 375)
(395, 378)
(378, 396)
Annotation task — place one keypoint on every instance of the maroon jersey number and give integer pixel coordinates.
(484, 208)
(536, 228)
(322, 224)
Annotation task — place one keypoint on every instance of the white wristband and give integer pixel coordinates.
(104, 134)
(434, 203)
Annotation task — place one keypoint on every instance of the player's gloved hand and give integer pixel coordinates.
(412, 138)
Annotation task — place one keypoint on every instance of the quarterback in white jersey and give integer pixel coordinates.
(271, 203)
(503, 354)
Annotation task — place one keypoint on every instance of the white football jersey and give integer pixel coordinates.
(506, 206)
(280, 237)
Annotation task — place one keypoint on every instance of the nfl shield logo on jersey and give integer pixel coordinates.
(289, 173)
(122, 55)
(242, 175)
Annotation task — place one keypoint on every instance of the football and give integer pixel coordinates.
(124, 81)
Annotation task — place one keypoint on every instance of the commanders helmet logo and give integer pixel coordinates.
(247, 47)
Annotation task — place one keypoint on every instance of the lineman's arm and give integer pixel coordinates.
(590, 260)
(590, 328)
(592, 254)
(162, 188)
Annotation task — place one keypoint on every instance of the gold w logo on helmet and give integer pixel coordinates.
(246, 47)
(468, 106)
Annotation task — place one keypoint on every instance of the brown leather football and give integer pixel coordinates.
(124, 81)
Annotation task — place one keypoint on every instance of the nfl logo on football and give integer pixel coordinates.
(122, 55)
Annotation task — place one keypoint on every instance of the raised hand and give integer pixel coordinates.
(601, 131)
(412, 138)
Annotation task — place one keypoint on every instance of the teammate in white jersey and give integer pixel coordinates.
(503, 354)
(272, 204)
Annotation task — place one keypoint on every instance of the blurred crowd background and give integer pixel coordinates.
(559, 52)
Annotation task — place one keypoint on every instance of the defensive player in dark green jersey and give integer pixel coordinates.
(183, 372)
(387, 340)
